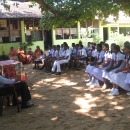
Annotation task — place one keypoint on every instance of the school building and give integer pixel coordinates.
(21, 22)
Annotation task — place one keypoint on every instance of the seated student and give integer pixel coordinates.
(98, 60)
(21, 87)
(48, 58)
(73, 49)
(64, 59)
(13, 54)
(30, 55)
(81, 57)
(21, 55)
(97, 70)
(37, 52)
(117, 63)
(40, 60)
(120, 75)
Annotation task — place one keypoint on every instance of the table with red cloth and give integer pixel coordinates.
(13, 69)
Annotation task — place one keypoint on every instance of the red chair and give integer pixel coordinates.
(7, 94)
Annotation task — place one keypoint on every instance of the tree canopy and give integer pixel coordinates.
(64, 13)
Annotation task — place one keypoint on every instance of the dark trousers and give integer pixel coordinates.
(22, 89)
(37, 62)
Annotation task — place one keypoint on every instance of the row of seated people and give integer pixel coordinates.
(57, 56)
(20, 55)
(113, 66)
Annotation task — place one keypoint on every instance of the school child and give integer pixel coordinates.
(117, 63)
(120, 77)
(47, 61)
(81, 57)
(98, 60)
(127, 81)
(73, 50)
(97, 70)
(40, 60)
(64, 59)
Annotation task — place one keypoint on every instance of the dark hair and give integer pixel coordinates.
(94, 44)
(93, 47)
(81, 46)
(77, 45)
(58, 46)
(80, 42)
(106, 45)
(73, 43)
(65, 43)
(113, 44)
(117, 47)
(99, 45)
(102, 42)
(127, 46)
(126, 43)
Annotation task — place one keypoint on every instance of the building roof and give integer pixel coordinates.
(22, 11)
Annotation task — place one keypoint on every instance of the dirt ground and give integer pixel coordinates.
(66, 103)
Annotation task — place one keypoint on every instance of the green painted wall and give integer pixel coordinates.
(6, 46)
(22, 31)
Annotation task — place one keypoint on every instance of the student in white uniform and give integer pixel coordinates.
(81, 57)
(64, 59)
(97, 70)
(127, 81)
(98, 60)
(73, 51)
(120, 75)
(47, 61)
(118, 62)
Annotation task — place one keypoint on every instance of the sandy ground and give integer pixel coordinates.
(66, 103)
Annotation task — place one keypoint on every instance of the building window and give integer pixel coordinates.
(124, 30)
(9, 30)
(94, 25)
(67, 33)
(31, 26)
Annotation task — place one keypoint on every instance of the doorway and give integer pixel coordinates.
(47, 39)
(105, 33)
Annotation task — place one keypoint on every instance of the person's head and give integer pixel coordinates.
(73, 44)
(112, 46)
(99, 47)
(65, 46)
(80, 43)
(11, 48)
(58, 47)
(61, 45)
(80, 46)
(126, 43)
(102, 42)
(105, 47)
(30, 49)
(77, 46)
(65, 43)
(54, 47)
(20, 47)
(88, 44)
(93, 47)
(94, 44)
(126, 49)
(116, 49)
(38, 47)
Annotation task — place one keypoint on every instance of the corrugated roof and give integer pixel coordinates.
(22, 11)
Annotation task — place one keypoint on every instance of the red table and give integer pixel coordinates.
(13, 69)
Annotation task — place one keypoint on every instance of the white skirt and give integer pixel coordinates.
(119, 79)
(89, 69)
(127, 80)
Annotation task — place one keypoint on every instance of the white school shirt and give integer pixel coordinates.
(50, 52)
(107, 56)
(66, 53)
(73, 51)
(58, 53)
(94, 52)
(42, 57)
(82, 52)
(54, 53)
(118, 56)
(99, 56)
(4, 81)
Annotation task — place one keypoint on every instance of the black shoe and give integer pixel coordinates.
(51, 73)
(27, 105)
(34, 67)
(58, 73)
